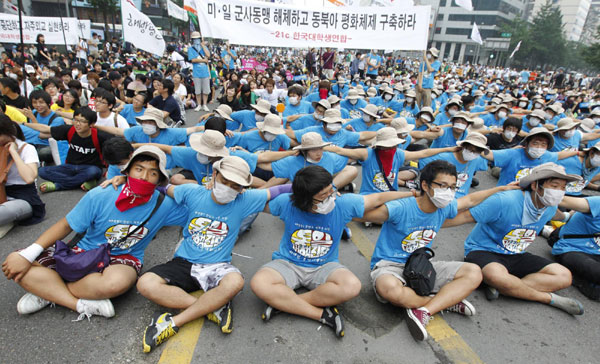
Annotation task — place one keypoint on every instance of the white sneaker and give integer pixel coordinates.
(547, 230)
(4, 229)
(198, 108)
(87, 308)
(31, 303)
(205, 108)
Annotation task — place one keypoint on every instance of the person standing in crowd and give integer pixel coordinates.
(428, 69)
(198, 54)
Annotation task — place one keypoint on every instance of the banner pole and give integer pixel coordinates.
(62, 26)
(20, 6)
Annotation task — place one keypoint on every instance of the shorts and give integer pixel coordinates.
(296, 276)
(444, 273)
(46, 259)
(191, 277)
(328, 72)
(518, 265)
(202, 85)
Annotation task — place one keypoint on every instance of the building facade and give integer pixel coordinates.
(574, 12)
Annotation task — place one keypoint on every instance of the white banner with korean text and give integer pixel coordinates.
(139, 30)
(278, 25)
(50, 27)
(176, 12)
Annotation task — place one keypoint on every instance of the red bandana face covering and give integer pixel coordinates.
(386, 156)
(323, 93)
(135, 192)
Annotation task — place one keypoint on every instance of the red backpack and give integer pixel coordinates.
(94, 140)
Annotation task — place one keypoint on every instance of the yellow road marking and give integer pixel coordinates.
(180, 348)
(455, 348)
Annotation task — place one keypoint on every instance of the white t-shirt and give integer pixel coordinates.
(176, 57)
(181, 91)
(271, 97)
(110, 121)
(28, 155)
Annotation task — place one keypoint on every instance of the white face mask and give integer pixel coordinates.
(429, 57)
(459, 126)
(509, 134)
(326, 206)
(452, 112)
(596, 120)
(534, 121)
(318, 116)
(502, 114)
(353, 101)
(388, 97)
(75, 73)
(535, 153)
(441, 197)
(337, 107)
(569, 134)
(468, 155)
(409, 100)
(294, 100)
(224, 194)
(148, 129)
(259, 118)
(548, 116)
(366, 118)
(203, 159)
(595, 160)
(268, 136)
(426, 118)
(551, 197)
(334, 126)
(522, 104)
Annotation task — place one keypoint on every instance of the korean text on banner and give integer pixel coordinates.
(176, 12)
(50, 27)
(140, 31)
(268, 24)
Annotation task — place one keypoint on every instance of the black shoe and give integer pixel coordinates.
(474, 182)
(588, 289)
(332, 318)
(223, 317)
(491, 293)
(268, 313)
(346, 233)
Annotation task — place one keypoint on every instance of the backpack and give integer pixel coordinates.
(419, 272)
(5, 163)
(94, 140)
(555, 236)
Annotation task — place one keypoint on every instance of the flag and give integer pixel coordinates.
(176, 12)
(465, 4)
(190, 7)
(475, 35)
(139, 30)
(516, 49)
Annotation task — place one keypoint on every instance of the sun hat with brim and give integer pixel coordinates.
(371, 110)
(537, 132)
(387, 90)
(452, 102)
(332, 116)
(402, 126)
(436, 91)
(434, 52)
(545, 171)
(566, 124)
(195, 35)
(272, 124)
(595, 146)
(495, 101)
(475, 139)
(153, 114)
(234, 169)
(333, 99)
(211, 143)
(387, 137)
(478, 124)
(311, 140)
(462, 115)
(323, 102)
(153, 152)
(538, 114)
(410, 93)
(262, 106)
(352, 94)
(501, 106)
(372, 91)
(595, 112)
(556, 108)
(587, 125)
(361, 92)
(341, 81)
(399, 87)
(478, 93)
(224, 111)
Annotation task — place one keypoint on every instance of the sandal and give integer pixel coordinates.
(47, 187)
(88, 185)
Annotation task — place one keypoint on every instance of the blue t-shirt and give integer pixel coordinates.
(573, 165)
(490, 120)
(211, 230)
(345, 104)
(98, 218)
(442, 119)
(303, 107)
(516, 164)
(112, 171)
(169, 136)
(524, 76)
(376, 100)
(561, 144)
(200, 70)
(342, 138)
(130, 114)
(245, 118)
(408, 228)
(252, 142)
(288, 166)
(188, 158)
(311, 239)
(428, 77)
(373, 57)
(447, 139)
(585, 224)
(372, 176)
(359, 125)
(304, 121)
(499, 228)
(224, 55)
(32, 137)
(465, 171)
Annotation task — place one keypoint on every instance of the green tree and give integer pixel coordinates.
(106, 7)
(520, 30)
(591, 54)
(548, 44)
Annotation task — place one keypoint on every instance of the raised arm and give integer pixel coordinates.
(463, 217)
(474, 199)
(42, 128)
(575, 203)
(110, 129)
(567, 154)
(165, 148)
(366, 135)
(413, 156)
(359, 153)
(270, 156)
(375, 200)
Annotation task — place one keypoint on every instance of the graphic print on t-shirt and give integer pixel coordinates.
(576, 186)
(418, 239)
(522, 173)
(462, 178)
(311, 243)
(116, 232)
(207, 233)
(517, 240)
(380, 183)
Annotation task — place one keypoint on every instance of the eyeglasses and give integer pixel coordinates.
(80, 121)
(445, 186)
(333, 192)
(102, 102)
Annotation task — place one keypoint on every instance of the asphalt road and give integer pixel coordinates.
(503, 331)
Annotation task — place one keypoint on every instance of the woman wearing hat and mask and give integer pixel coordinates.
(353, 101)
(368, 122)
(567, 137)
(458, 131)
(246, 119)
(507, 223)
(517, 163)
(409, 107)
(269, 135)
(553, 113)
(297, 122)
(534, 120)
(331, 130)
(496, 116)
(335, 103)
(451, 108)
(586, 165)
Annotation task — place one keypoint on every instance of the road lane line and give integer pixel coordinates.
(455, 348)
(180, 348)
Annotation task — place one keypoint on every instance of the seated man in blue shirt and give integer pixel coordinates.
(368, 122)
(458, 131)
(507, 223)
(247, 119)
(305, 121)
(295, 104)
(314, 217)
(412, 223)
(110, 216)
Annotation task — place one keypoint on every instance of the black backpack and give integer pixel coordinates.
(419, 272)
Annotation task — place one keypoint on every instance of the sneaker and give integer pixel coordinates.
(268, 313)
(346, 233)
(464, 307)
(88, 308)
(223, 317)
(205, 108)
(368, 224)
(411, 184)
(161, 328)
(547, 230)
(31, 303)
(198, 108)
(4, 229)
(332, 318)
(569, 305)
(417, 320)
(474, 182)
(491, 293)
